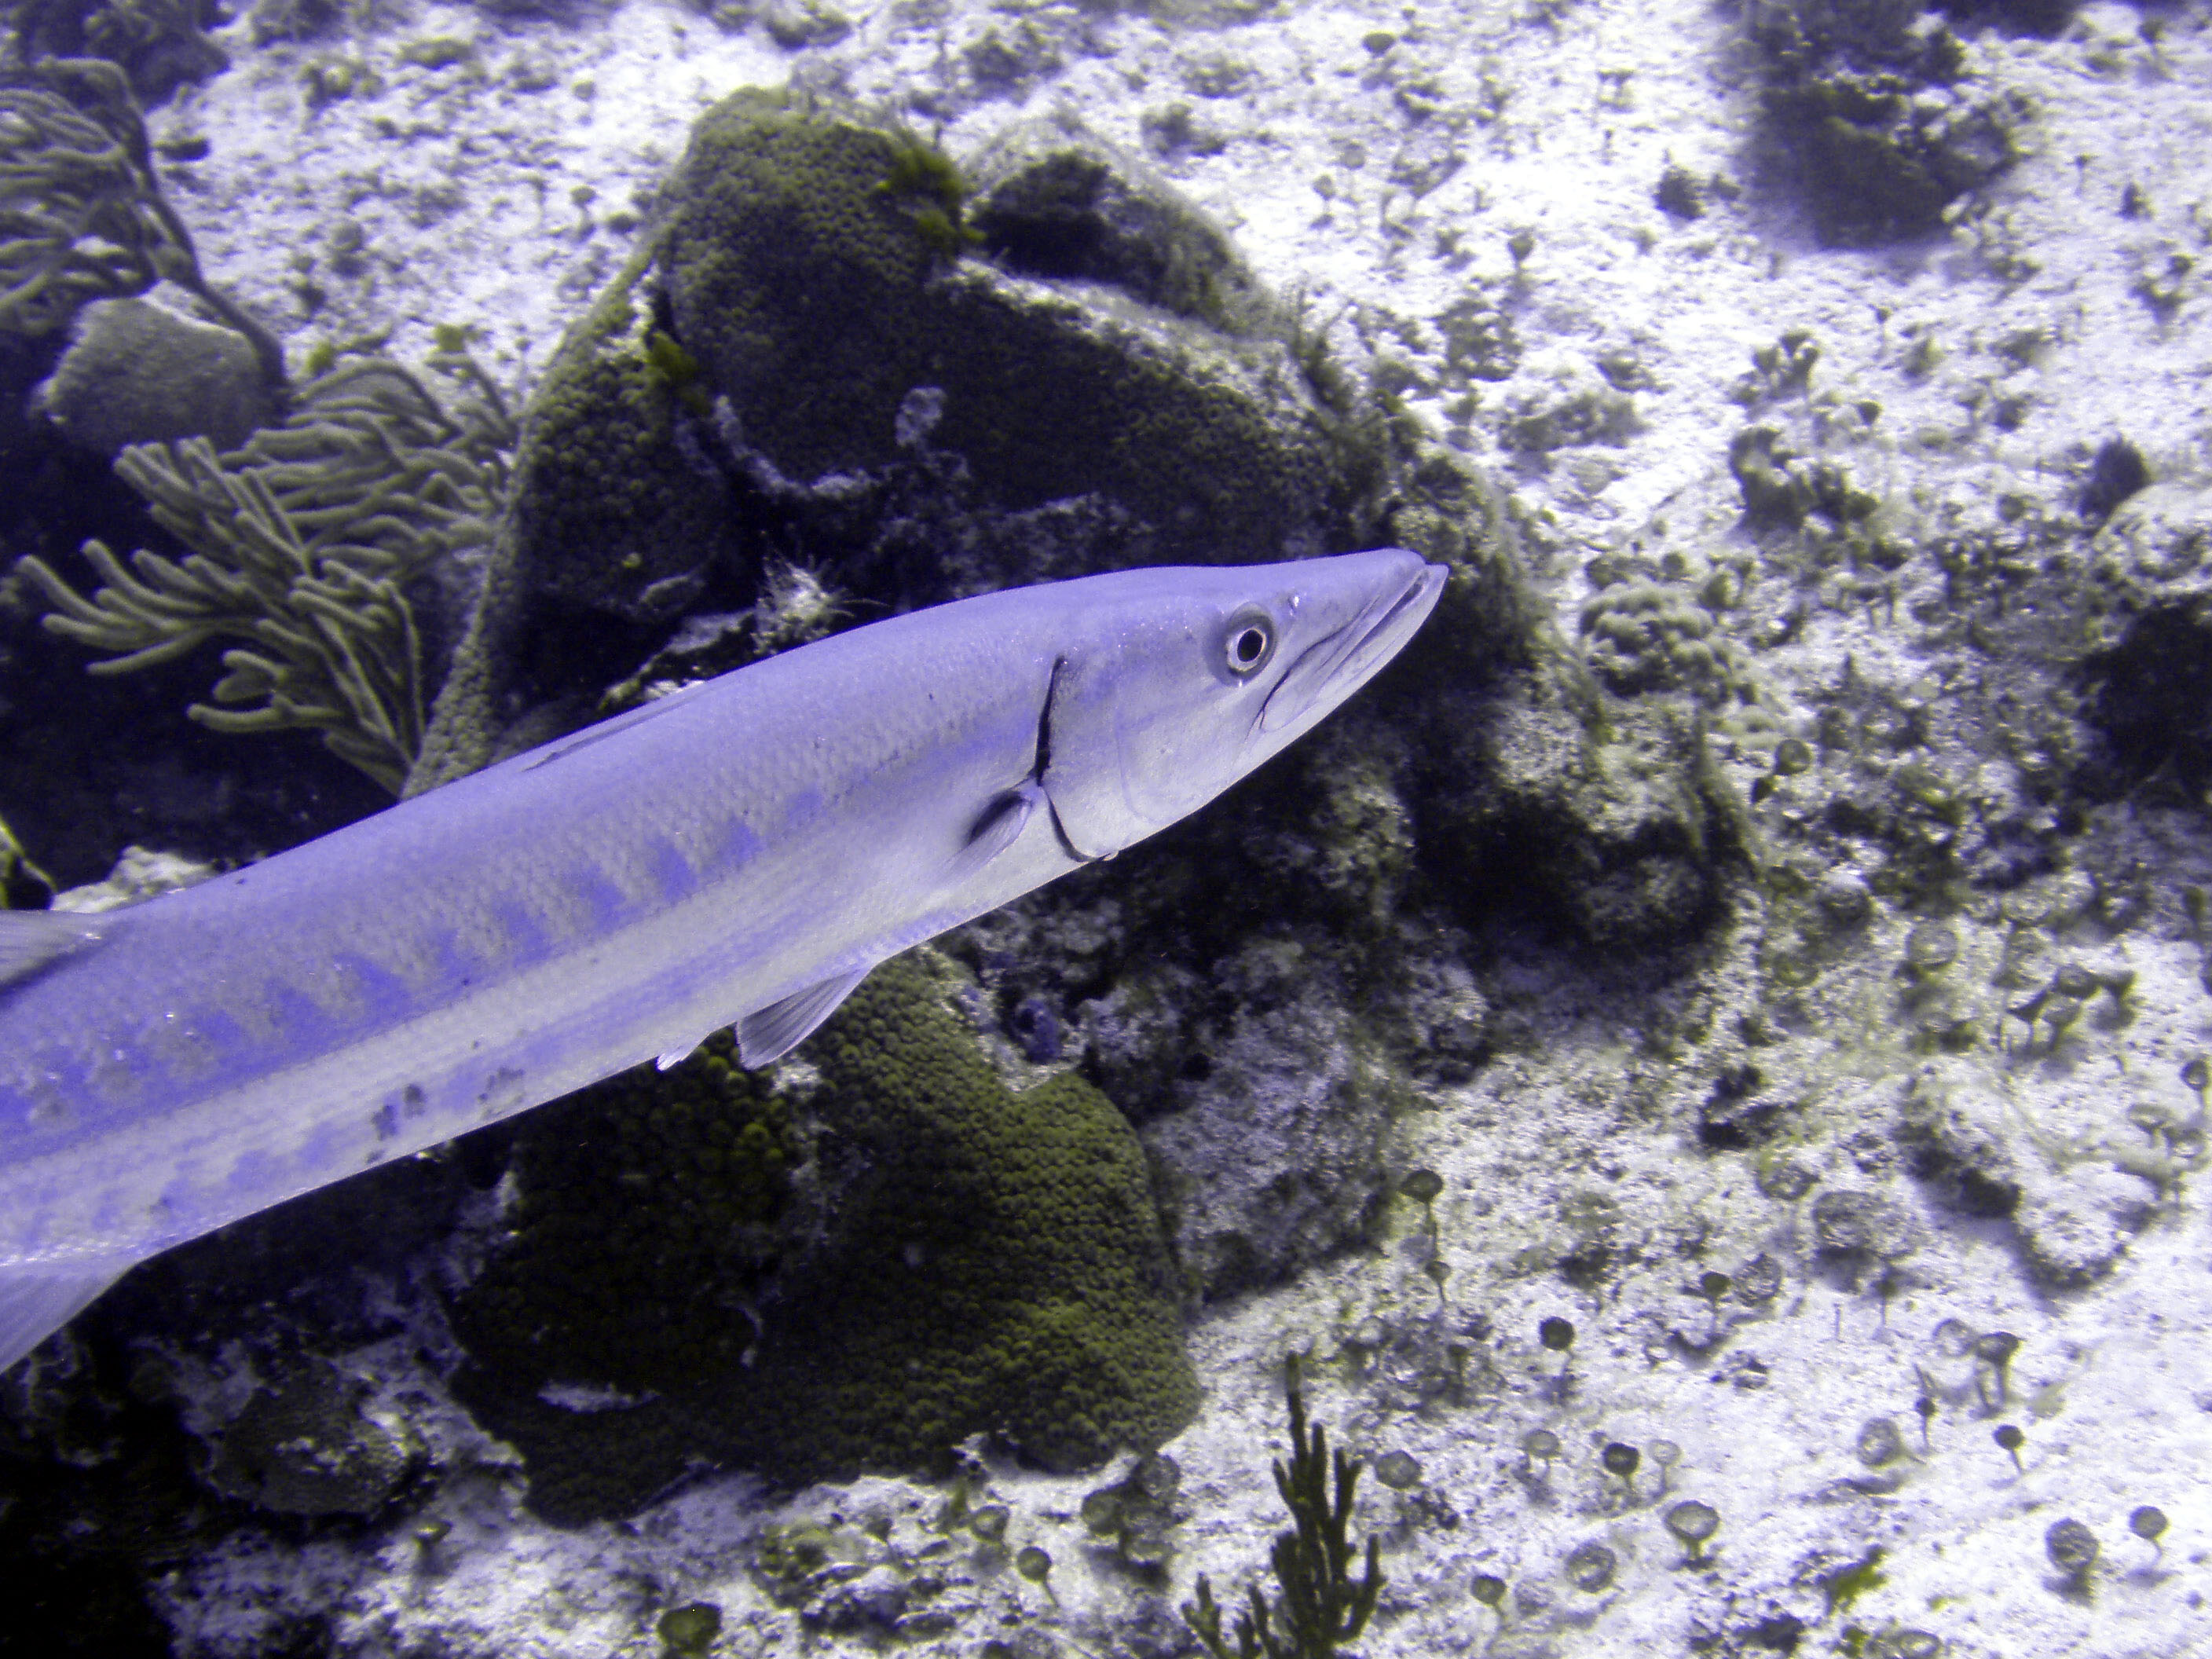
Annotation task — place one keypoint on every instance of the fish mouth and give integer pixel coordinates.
(1335, 665)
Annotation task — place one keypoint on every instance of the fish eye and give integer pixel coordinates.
(1248, 643)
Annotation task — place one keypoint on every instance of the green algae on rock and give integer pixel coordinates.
(306, 1447)
(1001, 1266)
(959, 1260)
(647, 1213)
(1616, 811)
(813, 356)
(610, 526)
(817, 302)
(138, 371)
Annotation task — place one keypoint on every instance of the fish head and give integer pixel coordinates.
(1177, 682)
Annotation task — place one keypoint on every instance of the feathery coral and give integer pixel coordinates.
(303, 542)
(1320, 1603)
(81, 216)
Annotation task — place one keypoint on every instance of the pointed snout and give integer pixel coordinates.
(1360, 612)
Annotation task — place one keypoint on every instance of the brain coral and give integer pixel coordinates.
(978, 1261)
(832, 349)
(999, 1264)
(813, 281)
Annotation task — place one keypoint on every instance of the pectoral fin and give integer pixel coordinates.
(997, 828)
(36, 1301)
(778, 1028)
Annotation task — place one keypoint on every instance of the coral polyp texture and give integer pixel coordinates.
(941, 1258)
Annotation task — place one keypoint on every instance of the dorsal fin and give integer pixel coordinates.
(546, 754)
(32, 940)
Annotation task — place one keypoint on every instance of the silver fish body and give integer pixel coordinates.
(744, 851)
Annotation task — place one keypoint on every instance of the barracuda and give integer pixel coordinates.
(744, 851)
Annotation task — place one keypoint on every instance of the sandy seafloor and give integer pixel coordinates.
(484, 204)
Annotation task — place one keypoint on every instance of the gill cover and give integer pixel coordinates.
(1187, 679)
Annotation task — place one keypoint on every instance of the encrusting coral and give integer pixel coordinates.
(81, 216)
(303, 542)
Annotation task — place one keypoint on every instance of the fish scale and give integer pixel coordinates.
(742, 852)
